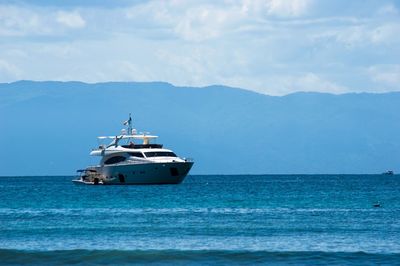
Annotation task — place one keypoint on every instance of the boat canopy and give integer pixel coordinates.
(129, 134)
(129, 137)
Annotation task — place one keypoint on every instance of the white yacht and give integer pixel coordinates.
(125, 161)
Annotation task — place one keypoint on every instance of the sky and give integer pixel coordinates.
(274, 47)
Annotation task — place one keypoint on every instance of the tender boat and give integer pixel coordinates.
(88, 177)
(124, 162)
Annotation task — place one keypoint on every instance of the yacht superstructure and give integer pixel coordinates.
(125, 161)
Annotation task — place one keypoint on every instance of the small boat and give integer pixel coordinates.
(390, 172)
(124, 161)
(88, 177)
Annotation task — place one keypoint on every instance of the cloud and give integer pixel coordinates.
(278, 8)
(386, 74)
(204, 23)
(269, 46)
(361, 34)
(295, 82)
(24, 21)
(9, 71)
(313, 82)
(288, 8)
(71, 19)
(387, 33)
(203, 20)
(16, 21)
(388, 9)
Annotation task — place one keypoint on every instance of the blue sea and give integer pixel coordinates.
(207, 220)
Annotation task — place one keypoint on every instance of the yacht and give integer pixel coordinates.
(389, 172)
(133, 158)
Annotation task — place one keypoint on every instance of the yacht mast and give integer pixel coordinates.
(129, 123)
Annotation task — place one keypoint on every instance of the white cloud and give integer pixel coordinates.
(309, 82)
(22, 21)
(71, 19)
(8, 71)
(129, 70)
(313, 82)
(206, 22)
(388, 9)
(386, 74)
(278, 8)
(199, 21)
(362, 34)
(387, 33)
(16, 21)
(288, 8)
(270, 46)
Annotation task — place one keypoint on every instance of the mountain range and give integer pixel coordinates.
(49, 128)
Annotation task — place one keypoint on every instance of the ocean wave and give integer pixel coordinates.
(190, 257)
(221, 210)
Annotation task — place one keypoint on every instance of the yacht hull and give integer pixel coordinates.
(146, 173)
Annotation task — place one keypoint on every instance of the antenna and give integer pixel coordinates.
(129, 124)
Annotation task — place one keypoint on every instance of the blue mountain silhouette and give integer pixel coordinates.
(50, 127)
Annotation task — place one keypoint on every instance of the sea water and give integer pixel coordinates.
(206, 220)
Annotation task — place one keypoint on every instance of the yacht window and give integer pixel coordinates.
(136, 154)
(160, 154)
(115, 159)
